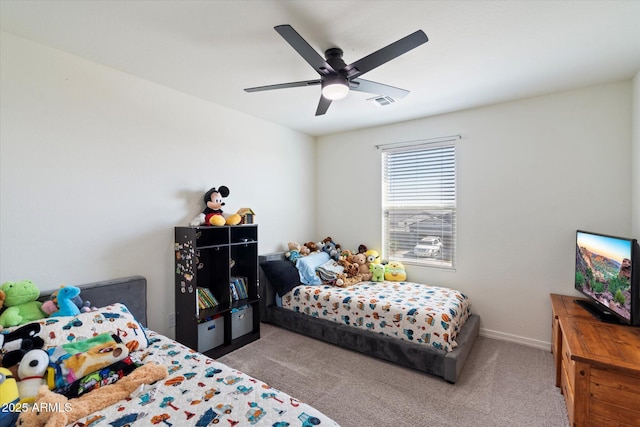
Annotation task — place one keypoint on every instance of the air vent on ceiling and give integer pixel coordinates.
(381, 101)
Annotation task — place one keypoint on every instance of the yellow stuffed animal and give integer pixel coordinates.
(9, 397)
(394, 272)
(88, 403)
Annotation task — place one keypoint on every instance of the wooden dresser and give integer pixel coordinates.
(597, 367)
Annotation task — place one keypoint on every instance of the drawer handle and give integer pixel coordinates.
(241, 316)
(211, 327)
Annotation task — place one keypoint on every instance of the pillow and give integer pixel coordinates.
(99, 378)
(114, 318)
(282, 274)
(307, 267)
(77, 359)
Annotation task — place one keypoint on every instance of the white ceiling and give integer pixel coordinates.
(479, 52)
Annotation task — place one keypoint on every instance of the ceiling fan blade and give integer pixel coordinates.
(323, 106)
(304, 49)
(283, 85)
(361, 85)
(386, 54)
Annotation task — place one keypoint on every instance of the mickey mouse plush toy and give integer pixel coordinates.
(212, 214)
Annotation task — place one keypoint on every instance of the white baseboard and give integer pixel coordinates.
(542, 345)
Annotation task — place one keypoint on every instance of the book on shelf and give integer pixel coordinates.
(238, 288)
(206, 298)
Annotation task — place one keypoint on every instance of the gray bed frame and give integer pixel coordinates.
(447, 365)
(130, 291)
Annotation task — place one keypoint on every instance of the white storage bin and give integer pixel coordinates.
(241, 322)
(210, 334)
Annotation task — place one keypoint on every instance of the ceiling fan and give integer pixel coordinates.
(336, 77)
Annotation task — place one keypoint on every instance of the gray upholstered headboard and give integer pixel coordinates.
(130, 291)
(267, 291)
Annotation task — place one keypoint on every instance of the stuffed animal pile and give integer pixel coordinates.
(24, 358)
(356, 265)
(22, 355)
(74, 409)
(362, 265)
(51, 305)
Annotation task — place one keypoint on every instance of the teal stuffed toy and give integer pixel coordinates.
(66, 306)
(377, 271)
(21, 303)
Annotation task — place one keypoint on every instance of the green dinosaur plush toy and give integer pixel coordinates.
(21, 305)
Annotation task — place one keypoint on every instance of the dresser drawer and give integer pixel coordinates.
(568, 365)
(567, 392)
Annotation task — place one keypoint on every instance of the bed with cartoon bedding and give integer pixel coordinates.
(428, 328)
(104, 367)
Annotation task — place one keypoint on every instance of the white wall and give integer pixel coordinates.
(530, 173)
(97, 167)
(635, 157)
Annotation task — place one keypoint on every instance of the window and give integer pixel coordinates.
(419, 203)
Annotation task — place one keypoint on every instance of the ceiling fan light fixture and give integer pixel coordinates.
(335, 88)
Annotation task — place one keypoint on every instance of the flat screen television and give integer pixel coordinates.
(608, 274)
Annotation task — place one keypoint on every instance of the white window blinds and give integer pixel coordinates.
(419, 204)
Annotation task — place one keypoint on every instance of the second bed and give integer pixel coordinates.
(427, 328)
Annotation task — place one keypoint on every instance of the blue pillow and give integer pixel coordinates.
(307, 267)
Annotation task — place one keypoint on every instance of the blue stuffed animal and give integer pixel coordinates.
(66, 306)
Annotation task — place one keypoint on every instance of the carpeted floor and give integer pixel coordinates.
(502, 384)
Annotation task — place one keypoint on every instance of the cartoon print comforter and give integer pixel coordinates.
(423, 314)
(202, 392)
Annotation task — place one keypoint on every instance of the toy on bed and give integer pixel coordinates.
(212, 213)
(51, 305)
(377, 272)
(304, 251)
(32, 372)
(66, 306)
(349, 276)
(15, 344)
(312, 247)
(331, 247)
(9, 397)
(344, 256)
(294, 251)
(71, 410)
(21, 303)
(344, 281)
(394, 271)
(363, 268)
(373, 257)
